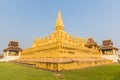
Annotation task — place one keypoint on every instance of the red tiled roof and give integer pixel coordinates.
(91, 42)
(13, 49)
(107, 42)
(108, 48)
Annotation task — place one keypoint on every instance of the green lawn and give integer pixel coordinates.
(10, 71)
(16, 72)
(106, 72)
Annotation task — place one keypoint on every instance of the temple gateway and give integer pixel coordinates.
(62, 51)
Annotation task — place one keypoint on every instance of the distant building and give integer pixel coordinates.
(109, 51)
(12, 52)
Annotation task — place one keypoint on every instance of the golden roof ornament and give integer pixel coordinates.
(59, 22)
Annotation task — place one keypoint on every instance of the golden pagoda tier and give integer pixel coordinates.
(60, 49)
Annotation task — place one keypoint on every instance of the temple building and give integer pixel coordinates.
(62, 51)
(12, 52)
(108, 51)
(91, 44)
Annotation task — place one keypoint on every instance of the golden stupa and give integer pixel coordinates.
(61, 51)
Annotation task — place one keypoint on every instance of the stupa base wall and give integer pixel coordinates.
(61, 66)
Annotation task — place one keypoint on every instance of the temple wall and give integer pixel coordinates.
(69, 65)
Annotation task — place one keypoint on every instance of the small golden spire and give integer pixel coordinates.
(59, 21)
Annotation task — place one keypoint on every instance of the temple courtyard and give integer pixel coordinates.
(10, 71)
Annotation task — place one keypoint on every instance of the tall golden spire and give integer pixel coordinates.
(59, 22)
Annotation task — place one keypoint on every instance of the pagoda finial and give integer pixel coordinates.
(89, 36)
(59, 22)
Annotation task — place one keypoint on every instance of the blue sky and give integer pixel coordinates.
(23, 20)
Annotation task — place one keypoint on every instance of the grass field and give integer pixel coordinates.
(10, 71)
(16, 72)
(106, 72)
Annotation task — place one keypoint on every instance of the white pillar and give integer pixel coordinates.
(19, 54)
(101, 52)
(93, 47)
(114, 52)
(4, 54)
(7, 53)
